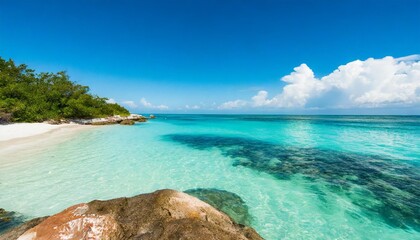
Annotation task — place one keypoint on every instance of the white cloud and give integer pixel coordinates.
(371, 83)
(233, 104)
(111, 100)
(147, 104)
(260, 99)
(130, 104)
(411, 58)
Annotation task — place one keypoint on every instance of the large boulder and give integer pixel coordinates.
(164, 214)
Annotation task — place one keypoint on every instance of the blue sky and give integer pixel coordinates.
(217, 56)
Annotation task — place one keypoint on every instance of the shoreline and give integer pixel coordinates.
(16, 135)
(15, 131)
(23, 139)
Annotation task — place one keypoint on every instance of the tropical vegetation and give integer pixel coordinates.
(28, 96)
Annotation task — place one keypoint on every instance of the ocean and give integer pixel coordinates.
(299, 177)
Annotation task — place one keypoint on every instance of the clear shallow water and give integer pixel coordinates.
(302, 177)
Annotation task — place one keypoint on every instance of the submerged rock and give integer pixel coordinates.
(164, 214)
(9, 219)
(20, 229)
(227, 202)
(3, 215)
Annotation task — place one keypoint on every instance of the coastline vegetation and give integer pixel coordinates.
(27, 96)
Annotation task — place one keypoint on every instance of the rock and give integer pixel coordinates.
(127, 122)
(110, 120)
(19, 230)
(137, 118)
(9, 219)
(143, 119)
(3, 215)
(53, 121)
(164, 214)
(227, 202)
(5, 118)
(152, 116)
(57, 121)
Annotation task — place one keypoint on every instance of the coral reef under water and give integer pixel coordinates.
(380, 186)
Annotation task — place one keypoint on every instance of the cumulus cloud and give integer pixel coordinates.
(371, 83)
(147, 104)
(260, 99)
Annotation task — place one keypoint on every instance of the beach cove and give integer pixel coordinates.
(262, 159)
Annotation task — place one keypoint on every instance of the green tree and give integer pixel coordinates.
(27, 96)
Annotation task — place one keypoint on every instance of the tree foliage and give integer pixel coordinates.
(27, 96)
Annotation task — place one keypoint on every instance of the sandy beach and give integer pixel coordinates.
(21, 130)
(25, 138)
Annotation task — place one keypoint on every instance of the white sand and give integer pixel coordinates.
(22, 130)
(22, 140)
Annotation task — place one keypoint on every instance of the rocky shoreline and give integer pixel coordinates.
(116, 119)
(164, 214)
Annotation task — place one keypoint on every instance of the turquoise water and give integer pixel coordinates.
(302, 177)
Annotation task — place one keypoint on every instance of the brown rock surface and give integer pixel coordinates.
(127, 122)
(164, 214)
(143, 119)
